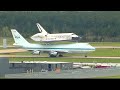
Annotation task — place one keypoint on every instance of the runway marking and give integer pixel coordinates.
(5, 51)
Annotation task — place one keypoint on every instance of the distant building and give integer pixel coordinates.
(4, 43)
(37, 66)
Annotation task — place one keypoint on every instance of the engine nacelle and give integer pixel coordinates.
(53, 54)
(36, 52)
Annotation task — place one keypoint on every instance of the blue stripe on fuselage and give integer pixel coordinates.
(65, 48)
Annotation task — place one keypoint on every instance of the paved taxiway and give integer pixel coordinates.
(5, 51)
(78, 73)
(10, 46)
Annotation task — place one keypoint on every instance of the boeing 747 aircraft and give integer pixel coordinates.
(52, 50)
(46, 37)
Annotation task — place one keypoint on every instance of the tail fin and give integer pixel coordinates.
(41, 29)
(19, 40)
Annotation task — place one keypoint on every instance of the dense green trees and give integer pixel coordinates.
(91, 25)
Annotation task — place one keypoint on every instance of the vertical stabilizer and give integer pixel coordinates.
(41, 29)
(19, 40)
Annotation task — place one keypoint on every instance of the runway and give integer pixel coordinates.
(9, 51)
(78, 73)
(24, 56)
(38, 56)
(10, 46)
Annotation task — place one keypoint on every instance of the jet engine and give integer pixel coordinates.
(53, 54)
(36, 52)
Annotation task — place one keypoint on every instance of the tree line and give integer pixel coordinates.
(90, 25)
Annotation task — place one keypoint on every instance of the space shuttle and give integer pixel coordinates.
(44, 36)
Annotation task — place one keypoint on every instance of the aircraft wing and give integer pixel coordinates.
(56, 51)
(47, 51)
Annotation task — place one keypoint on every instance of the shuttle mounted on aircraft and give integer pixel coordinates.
(52, 50)
(46, 37)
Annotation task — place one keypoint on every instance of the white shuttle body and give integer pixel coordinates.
(44, 36)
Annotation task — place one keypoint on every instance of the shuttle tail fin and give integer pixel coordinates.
(41, 29)
(19, 40)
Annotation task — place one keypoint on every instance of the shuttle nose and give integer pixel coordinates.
(76, 38)
(91, 47)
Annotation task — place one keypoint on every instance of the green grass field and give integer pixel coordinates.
(105, 43)
(100, 52)
(105, 52)
(109, 77)
(67, 60)
(9, 41)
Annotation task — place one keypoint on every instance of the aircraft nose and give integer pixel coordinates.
(93, 48)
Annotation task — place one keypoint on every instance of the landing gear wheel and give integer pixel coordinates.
(52, 56)
(60, 55)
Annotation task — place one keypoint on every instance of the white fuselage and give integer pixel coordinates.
(46, 37)
(55, 37)
(63, 48)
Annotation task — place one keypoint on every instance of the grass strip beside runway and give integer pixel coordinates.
(67, 60)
